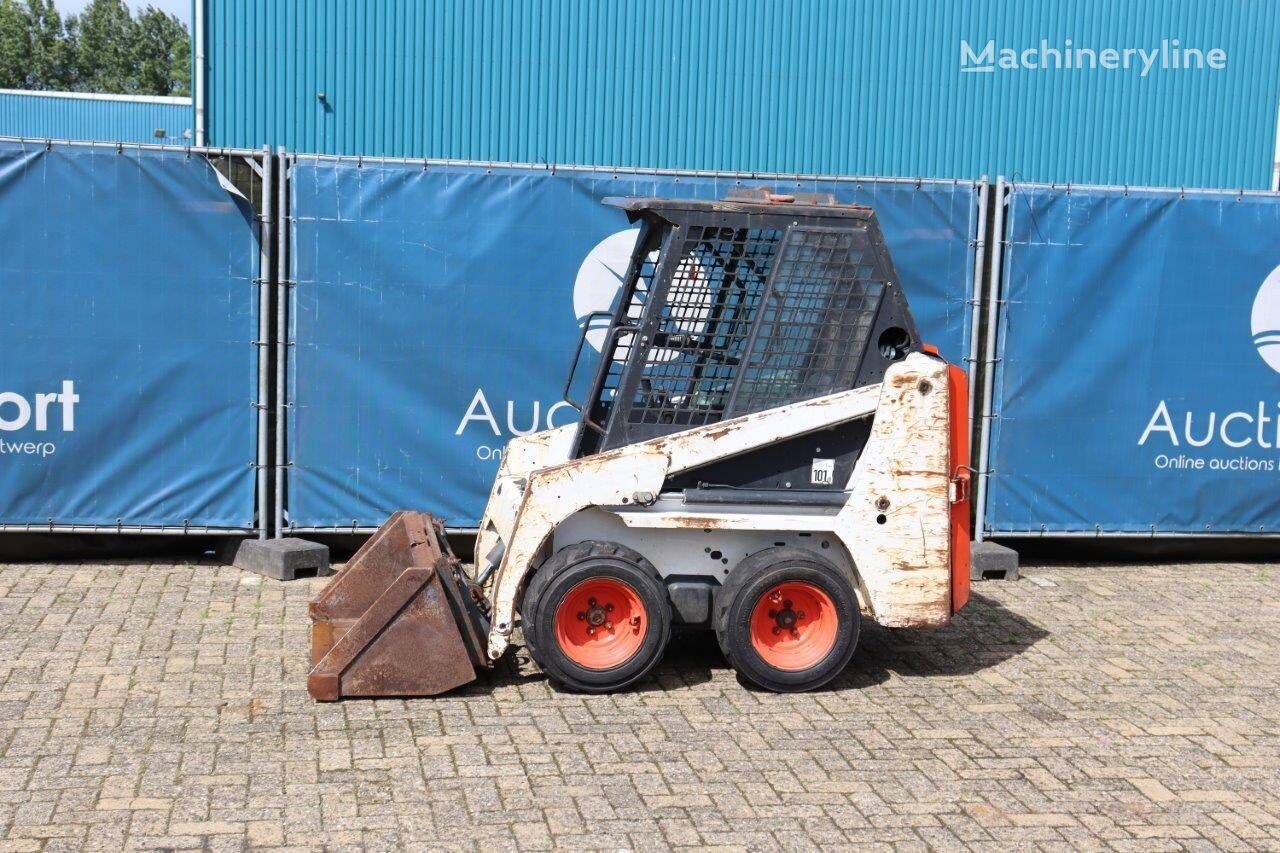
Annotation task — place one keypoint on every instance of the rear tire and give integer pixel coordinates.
(787, 620)
(596, 617)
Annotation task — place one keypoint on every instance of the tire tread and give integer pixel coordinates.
(535, 594)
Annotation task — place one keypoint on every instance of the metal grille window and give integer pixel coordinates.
(816, 321)
(624, 334)
(736, 309)
(703, 330)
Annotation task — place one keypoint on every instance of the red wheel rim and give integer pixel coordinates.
(794, 625)
(601, 623)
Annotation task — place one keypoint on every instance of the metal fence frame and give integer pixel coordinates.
(276, 293)
(975, 300)
(284, 305)
(986, 370)
(995, 306)
(261, 164)
(287, 346)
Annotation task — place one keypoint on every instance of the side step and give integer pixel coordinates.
(400, 620)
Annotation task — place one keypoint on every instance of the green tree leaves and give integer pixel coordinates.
(104, 60)
(15, 46)
(50, 51)
(104, 49)
(161, 53)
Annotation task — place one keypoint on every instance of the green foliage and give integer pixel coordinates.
(161, 54)
(104, 49)
(15, 46)
(180, 63)
(104, 60)
(33, 45)
(51, 50)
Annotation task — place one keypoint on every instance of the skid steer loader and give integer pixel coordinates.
(765, 449)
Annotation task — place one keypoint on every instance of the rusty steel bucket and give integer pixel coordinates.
(400, 620)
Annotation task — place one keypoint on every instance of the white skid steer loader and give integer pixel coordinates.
(765, 449)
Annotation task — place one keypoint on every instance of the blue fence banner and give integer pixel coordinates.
(436, 312)
(128, 326)
(1137, 389)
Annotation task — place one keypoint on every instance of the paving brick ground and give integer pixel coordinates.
(162, 706)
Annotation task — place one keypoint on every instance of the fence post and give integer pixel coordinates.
(975, 300)
(989, 362)
(282, 336)
(264, 340)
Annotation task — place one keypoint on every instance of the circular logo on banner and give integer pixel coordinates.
(1266, 320)
(600, 278)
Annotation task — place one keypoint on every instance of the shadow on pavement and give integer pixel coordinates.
(982, 635)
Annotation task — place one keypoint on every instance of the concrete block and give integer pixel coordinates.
(283, 559)
(989, 561)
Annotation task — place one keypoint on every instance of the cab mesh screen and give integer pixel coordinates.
(750, 320)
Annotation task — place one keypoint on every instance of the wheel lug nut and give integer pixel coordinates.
(787, 604)
(795, 633)
(591, 629)
(609, 625)
(581, 616)
(773, 614)
(591, 602)
(777, 630)
(608, 608)
(799, 614)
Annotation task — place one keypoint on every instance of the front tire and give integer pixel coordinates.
(596, 617)
(787, 620)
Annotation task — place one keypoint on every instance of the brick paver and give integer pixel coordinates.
(164, 706)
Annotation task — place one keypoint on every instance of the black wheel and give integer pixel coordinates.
(596, 617)
(787, 620)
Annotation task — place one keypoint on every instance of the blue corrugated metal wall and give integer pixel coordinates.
(812, 86)
(39, 115)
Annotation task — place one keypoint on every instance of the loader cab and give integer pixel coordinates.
(740, 305)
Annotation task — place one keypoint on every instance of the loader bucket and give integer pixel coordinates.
(399, 620)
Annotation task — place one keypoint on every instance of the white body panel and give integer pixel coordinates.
(522, 456)
(893, 530)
